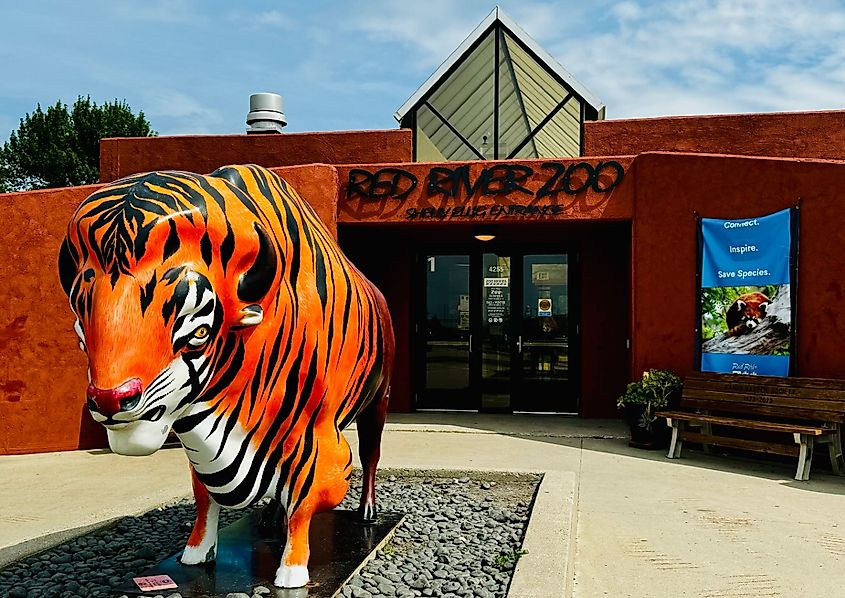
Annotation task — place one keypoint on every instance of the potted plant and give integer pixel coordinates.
(657, 390)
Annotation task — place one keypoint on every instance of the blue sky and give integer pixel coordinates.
(190, 65)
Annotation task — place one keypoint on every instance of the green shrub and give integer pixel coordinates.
(654, 391)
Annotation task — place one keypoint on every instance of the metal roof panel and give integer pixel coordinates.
(498, 15)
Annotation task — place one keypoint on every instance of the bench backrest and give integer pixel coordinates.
(808, 399)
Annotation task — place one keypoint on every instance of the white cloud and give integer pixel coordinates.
(787, 88)
(190, 65)
(432, 29)
(269, 19)
(627, 11)
(173, 112)
(715, 56)
(653, 58)
(274, 18)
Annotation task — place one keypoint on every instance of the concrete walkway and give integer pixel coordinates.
(704, 526)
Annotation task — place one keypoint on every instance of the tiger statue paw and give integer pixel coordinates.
(197, 555)
(291, 576)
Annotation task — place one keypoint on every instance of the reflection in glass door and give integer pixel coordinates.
(496, 333)
(545, 334)
(447, 334)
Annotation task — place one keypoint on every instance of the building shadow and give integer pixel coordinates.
(611, 436)
(91, 434)
(517, 424)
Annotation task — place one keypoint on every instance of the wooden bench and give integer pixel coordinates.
(811, 410)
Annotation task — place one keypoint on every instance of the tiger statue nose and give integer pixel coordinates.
(109, 402)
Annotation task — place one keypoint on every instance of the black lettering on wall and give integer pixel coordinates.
(573, 170)
(569, 179)
(551, 187)
(484, 211)
(617, 175)
(499, 179)
(506, 178)
(385, 183)
(450, 181)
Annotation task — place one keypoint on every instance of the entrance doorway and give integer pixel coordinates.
(498, 332)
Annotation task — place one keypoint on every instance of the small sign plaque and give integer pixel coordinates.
(495, 282)
(155, 582)
(544, 307)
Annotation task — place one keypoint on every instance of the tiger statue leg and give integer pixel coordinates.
(202, 543)
(370, 424)
(332, 471)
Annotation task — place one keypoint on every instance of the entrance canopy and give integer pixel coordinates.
(499, 95)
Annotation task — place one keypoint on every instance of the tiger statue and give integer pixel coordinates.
(220, 306)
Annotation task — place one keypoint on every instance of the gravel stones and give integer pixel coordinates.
(458, 539)
(88, 566)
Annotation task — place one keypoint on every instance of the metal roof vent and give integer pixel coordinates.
(266, 113)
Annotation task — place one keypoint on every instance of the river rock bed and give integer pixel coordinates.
(461, 537)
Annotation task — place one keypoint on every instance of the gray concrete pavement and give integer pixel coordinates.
(54, 492)
(645, 526)
(546, 568)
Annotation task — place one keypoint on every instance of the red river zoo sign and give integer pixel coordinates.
(498, 180)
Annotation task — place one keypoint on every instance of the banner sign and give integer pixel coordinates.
(746, 294)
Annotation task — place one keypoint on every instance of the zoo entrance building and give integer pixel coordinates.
(535, 257)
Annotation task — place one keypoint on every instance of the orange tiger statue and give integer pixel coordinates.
(220, 306)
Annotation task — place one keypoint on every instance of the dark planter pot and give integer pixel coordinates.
(653, 438)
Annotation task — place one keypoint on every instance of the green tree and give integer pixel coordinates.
(60, 147)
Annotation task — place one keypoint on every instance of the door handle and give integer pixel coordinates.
(470, 343)
(519, 343)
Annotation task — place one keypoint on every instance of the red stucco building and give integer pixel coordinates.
(587, 276)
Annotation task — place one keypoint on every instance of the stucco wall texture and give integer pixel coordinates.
(671, 188)
(43, 377)
(205, 153)
(785, 134)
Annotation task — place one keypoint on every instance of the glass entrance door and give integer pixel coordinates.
(544, 337)
(446, 334)
(497, 333)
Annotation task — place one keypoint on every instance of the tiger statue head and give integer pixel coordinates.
(164, 272)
